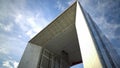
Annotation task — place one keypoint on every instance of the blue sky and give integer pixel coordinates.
(20, 20)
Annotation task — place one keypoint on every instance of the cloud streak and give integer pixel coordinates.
(10, 64)
(7, 27)
(7, 64)
(60, 6)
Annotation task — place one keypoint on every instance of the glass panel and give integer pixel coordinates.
(46, 53)
(57, 62)
(44, 62)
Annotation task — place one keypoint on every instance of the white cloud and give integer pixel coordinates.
(7, 27)
(19, 36)
(9, 57)
(18, 18)
(7, 46)
(7, 11)
(107, 28)
(9, 8)
(4, 51)
(10, 64)
(30, 33)
(7, 64)
(31, 20)
(15, 64)
(70, 2)
(31, 23)
(27, 20)
(60, 6)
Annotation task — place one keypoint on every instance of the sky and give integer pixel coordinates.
(20, 20)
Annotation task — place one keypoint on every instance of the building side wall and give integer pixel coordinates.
(30, 57)
(87, 46)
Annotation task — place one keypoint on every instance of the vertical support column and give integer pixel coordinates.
(64, 60)
(31, 56)
(88, 49)
(45, 59)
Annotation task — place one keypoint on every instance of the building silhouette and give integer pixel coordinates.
(71, 38)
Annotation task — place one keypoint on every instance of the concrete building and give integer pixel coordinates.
(70, 39)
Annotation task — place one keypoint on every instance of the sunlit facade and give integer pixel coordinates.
(71, 38)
